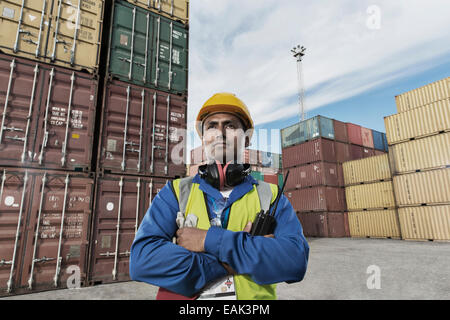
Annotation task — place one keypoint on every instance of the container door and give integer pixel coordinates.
(75, 41)
(20, 84)
(15, 189)
(27, 23)
(58, 231)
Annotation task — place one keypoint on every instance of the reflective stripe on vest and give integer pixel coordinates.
(248, 207)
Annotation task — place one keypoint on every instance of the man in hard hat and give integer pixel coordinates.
(211, 215)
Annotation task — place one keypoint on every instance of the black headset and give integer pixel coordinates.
(218, 176)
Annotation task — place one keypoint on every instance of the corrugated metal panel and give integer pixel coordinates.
(367, 137)
(425, 222)
(418, 122)
(324, 224)
(320, 126)
(317, 199)
(366, 170)
(312, 151)
(291, 136)
(48, 116)
(436, 91)
(148, 49)
(317, 173)
(45, 30)
(340, 131)
(174, 9)
(354, 134)
(147, 120)
(120, 205)
(426, 153)
(377, 223)
(44, 221)
(423, 187)
(271, 178)
(370, 196)
(342, 152)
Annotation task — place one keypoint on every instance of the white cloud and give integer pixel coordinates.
(244, 47)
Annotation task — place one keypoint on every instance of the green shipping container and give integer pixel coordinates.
(257, 175)
(147, 49)
(280, 180)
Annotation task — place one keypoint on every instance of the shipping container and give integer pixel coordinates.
(342, 152)
(367, 137)
(374, 224)
(312, 151)
(324, 224)
(378, 140)
(354, 134)
(370, 169)
(142, 131)
(271, 178)
(319, 198)
(425, 222)
(291, 136)
(174, 9)
(379, 195)
(197, 155)
(120, 205)
(45, 220)
(48, 116)
(340, 131)
(421, 154)
(65, 33)
(147, 49)
(419, 122)
(433, 92)
(421, 188)
(257, 175)
(317, 173)
(307, 130)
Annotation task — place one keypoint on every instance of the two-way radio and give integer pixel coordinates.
(265, 222)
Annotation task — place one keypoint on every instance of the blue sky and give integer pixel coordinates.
(359, 56)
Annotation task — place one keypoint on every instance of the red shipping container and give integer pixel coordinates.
(356, 152)
(312, 151)
(368, 152)
(367, 137)
(340, 131)
(317, 199)
(197, 155)
(379, 152)
(271, 178)
(314, 224)
(354, 134)
(324, 224)
(317, 173)
(342, 152)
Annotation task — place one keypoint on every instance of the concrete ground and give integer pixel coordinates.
(338, 269)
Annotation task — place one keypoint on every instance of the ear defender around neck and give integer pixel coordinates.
(230, 175)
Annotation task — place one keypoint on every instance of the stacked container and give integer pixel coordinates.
(370, 198)
(49, 70)
(419, 150)
(313, 151)
(141, 138)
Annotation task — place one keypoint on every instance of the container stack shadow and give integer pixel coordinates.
(92, 95)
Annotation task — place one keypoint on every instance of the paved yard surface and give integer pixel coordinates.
(338, 269)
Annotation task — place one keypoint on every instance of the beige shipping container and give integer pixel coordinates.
(436, 91)
(62, 32)
(366, 170)
(423, 121)
(377, 224)
(174, 9)
(370, 196)
(423, 187)
(421, 154)
(425, 222)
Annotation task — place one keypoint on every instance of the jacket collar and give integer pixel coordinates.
(238, 191)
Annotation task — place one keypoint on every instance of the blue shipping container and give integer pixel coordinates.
(385, 142)
(378, 140)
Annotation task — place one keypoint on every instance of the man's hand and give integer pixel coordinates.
(192, 239)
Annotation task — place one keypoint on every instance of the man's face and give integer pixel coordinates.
(224, 138)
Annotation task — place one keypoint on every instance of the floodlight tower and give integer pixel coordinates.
(299, 53)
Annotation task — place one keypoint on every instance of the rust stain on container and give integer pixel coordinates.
(142, 132)
(48, 116)
(317, 199)
(317, 173)
(120, 205)
(54, 210)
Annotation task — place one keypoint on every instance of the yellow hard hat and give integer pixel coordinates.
(224, 102)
